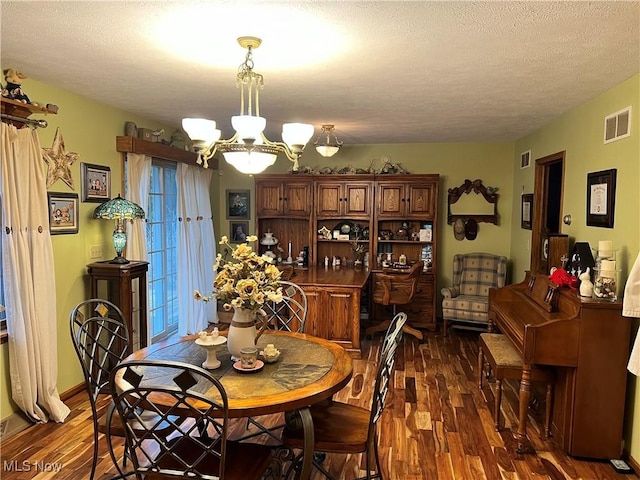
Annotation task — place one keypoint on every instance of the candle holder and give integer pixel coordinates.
(605, 284)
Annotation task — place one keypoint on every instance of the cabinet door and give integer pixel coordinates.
(331, 314)
(329, 199)
(297, 199)
(358, 199)
(421, 201)
(391, 200)
(269, 198)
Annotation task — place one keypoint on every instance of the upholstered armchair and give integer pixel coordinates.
(467, 301)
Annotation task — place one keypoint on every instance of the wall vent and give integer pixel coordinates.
(617, 125)
(525, 159)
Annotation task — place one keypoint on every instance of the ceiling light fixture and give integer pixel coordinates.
(327, 144)
(249, 151)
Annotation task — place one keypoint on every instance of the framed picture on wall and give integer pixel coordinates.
(601, 196)
(527, 211)
(238, 231)
(238, 205)
(63, 213)
(96, 183)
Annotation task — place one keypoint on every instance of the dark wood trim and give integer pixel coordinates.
(541, 206)
(159, 150)
(67, 394)
(22, 110)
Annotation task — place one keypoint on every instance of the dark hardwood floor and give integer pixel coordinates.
(437, 425)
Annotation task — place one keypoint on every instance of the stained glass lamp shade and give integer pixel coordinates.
(119, 209)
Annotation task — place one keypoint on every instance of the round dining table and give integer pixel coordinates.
(308, 370)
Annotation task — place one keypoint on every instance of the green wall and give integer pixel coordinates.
(455, 162)
(89, 129)
(579, 132)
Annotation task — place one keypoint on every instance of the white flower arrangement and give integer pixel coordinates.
(247, 281)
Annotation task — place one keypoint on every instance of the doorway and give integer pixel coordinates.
(548, 244)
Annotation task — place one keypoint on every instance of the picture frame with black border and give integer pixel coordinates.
(95, 182)
(526, 213)
(238, 204)
(238, 231)
(601, 196)
(63, 212)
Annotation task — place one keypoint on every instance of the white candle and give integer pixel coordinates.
(605, 248)
(608, 268)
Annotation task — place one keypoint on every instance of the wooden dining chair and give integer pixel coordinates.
(195, 404)
(346, 428)
(101, 340)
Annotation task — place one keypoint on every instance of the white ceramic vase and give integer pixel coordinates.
(242, 332)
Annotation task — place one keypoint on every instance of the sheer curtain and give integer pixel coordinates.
(138, 179)
(138, 184)
(29, 277)
(196, 249)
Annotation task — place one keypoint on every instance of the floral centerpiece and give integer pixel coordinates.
(244, 282)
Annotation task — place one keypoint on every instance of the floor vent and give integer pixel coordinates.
(617, 125)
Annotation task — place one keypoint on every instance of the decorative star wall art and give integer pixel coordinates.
(59, 161)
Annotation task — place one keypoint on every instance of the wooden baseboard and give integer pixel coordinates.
(633, 463)
(66, 395)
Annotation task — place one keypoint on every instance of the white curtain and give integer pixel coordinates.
(138, 175)
(30, 288)
(138, 185)
(196, 248)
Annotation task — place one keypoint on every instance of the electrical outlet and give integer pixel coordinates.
(95, 251)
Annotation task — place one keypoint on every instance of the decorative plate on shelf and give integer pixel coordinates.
(345, 228)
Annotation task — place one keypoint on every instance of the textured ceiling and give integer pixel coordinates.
(382, 72)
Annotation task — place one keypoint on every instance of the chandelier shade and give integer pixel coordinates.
(248, 150)
(327, 144)
(119, 209)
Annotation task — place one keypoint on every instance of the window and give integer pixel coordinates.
(162, 247)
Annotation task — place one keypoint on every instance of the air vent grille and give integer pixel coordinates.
(617, 125)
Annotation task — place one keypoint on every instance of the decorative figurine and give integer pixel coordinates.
(586, 286)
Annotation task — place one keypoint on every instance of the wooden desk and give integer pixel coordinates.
(334, 295)
(122, 276)
(309, 370)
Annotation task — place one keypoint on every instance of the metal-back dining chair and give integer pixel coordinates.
(289, 315)
(350, 429)
(195, 404)
(101, 340)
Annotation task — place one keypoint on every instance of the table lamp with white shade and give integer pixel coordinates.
(119, 209)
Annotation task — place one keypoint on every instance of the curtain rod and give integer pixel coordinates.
(28, 121)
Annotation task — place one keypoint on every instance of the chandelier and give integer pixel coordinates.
(249, 151)
(327, 144)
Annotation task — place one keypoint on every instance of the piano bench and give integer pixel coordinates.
(505, 362)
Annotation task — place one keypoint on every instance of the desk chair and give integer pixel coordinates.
(101, 340)
(195, 404)
(345, 428)
(396, 287)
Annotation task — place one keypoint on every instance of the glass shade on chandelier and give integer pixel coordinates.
(249, 151)
(119, 209)
(327, 144)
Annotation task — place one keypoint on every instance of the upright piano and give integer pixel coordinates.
(588, 342)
